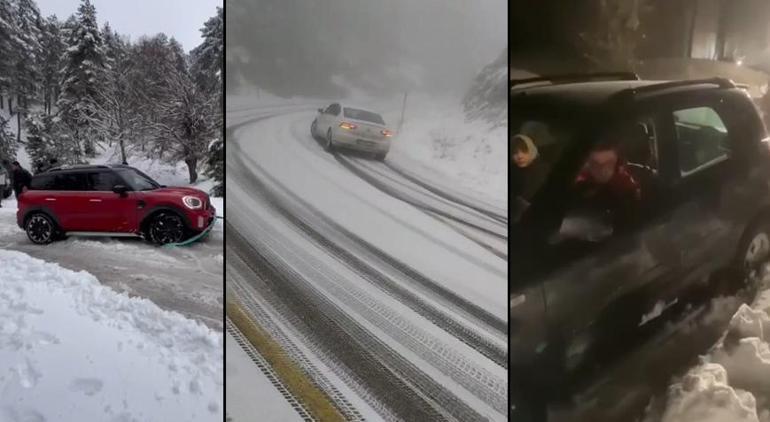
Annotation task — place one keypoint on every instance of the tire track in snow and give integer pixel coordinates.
(372, 362)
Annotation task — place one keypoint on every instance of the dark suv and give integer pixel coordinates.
(114, 200)
(650, 199)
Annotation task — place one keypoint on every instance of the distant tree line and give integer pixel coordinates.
(73, 86)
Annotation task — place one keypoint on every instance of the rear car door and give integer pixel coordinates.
(69, 201)
(109, 211)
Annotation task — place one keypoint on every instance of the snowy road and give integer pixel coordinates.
(387, 289)
(187, 280)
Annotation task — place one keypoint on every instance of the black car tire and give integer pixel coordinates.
(313, 127)
(329, 144)
(41, 229)
(166, 227)
(754, 252)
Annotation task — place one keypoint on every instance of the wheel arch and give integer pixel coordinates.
(152, 212)
(44, 210)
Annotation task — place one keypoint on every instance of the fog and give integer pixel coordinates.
(330, 47)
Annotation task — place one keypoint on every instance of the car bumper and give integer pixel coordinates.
(355, 142)
(201, 220)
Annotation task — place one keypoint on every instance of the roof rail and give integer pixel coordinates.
(721, 83)
(76, 166)
(577, 77)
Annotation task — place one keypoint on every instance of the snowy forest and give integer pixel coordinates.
(74, 87)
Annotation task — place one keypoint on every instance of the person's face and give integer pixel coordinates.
(522, 158)
(602, 164)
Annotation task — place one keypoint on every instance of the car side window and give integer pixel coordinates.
(102, 181)
(70, 182)
(702, 139)
(335, 109)
(43, 182)
(328, 109)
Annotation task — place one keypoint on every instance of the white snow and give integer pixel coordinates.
(72, 349)
(732, 382)
(250, 392)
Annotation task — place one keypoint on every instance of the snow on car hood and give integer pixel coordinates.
(73, 349)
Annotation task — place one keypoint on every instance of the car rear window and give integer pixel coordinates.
(363, 115)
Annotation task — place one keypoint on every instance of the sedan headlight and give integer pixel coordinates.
(192, 202)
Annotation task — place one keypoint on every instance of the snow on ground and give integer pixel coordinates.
(72, 349)
(732, 382)
(471, 154)
(250, 392)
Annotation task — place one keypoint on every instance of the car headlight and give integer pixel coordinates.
(192, 202)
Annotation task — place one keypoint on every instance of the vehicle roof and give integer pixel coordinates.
(593, 93)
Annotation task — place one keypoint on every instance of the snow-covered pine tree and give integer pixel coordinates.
(52, 42)
(44, 140)
(188, 121)
(9, 47)
(27, 79)
(7, 142)
(207, 61)
(82, 77)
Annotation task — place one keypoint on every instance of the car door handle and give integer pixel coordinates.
(94, 200)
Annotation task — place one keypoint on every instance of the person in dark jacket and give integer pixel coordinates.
(529, 171)
(21, 178)
(606, 185)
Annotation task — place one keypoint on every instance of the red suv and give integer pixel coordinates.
(111, 200)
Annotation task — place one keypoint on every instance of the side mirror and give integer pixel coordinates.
(584, 225)
(120, 190)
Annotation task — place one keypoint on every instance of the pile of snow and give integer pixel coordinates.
(72, 349)
(732, 382)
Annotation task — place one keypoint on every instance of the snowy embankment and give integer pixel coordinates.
(72, 349)
(731, 382)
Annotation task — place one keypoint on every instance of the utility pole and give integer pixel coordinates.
(403, 108)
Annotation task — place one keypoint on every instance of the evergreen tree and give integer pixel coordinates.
(9, 49)
(216, 166)
(82, 76)
(7, 142)
(52, 43)
(28, 74)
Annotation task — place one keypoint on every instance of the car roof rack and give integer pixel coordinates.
(76, 167)
(576, 77)
(721, 83)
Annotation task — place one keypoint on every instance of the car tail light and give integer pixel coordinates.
(386, 133)
(348, 126)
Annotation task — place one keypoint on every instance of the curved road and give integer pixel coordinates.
(388, 291)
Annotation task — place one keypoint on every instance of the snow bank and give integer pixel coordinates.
(72, 349)
(470, 154)
(732, 383)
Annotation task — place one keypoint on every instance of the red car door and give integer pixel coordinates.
(109, 211)
(68, 201)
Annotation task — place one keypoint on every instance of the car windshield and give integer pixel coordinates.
(137, 180)
(363, 115)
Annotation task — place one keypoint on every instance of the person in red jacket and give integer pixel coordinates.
(606, 184)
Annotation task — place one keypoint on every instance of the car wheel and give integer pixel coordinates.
(380, 156)
(165, 228)
(754, 252)
(40, 229)
(313, 127)
(329, 144)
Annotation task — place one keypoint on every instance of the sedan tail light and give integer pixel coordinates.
(348, 126)
(386, 133)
